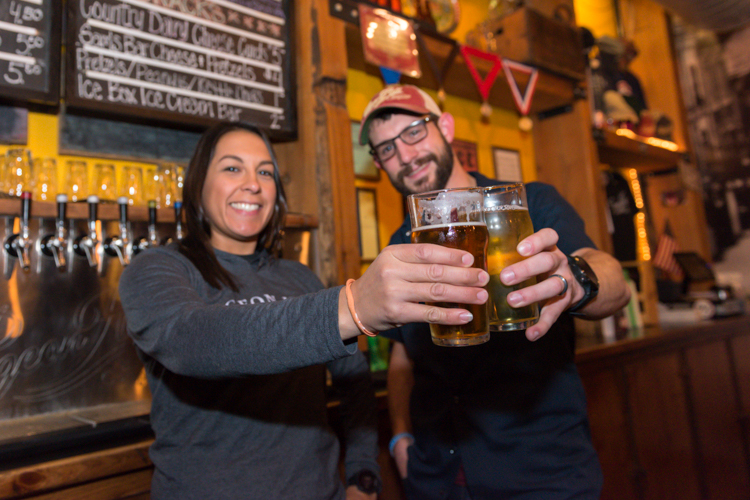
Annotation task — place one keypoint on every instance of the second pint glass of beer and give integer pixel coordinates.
(508, 222)
(454, 218)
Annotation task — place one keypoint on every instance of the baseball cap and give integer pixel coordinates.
(396, 97)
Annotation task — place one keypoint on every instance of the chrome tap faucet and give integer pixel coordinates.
(119, 246)
(19, 245)
(55, 245)
(143, 243)
(86, 245)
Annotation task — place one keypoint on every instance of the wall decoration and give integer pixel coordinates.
(14, 123)
(388, 40)
(364, 166)
(467, 154)
(367, 212)
(507, 164)
(184, 65)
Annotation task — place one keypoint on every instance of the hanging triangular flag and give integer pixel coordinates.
(390, 76)
(483, 84)
(438, 73)
(523, 102)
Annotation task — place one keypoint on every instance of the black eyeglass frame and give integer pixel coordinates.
(422, 121)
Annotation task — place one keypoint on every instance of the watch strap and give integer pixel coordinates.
(586, 277)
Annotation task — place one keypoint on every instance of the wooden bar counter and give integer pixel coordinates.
(669, 411)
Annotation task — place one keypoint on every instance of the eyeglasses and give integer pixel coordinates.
(411, 135)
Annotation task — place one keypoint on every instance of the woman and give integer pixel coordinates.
(233, 339)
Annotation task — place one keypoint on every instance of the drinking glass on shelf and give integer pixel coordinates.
(165, 185)
(105, 186)
(132, 184)
(45, 179)
(77, 180)
(18, 171)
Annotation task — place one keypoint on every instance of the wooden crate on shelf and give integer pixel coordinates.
(530, 37)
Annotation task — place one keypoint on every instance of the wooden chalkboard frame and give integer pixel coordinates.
(175, 120)
(23, 94)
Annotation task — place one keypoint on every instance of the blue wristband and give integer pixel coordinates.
(396, 438)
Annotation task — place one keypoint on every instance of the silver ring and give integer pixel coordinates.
(565, 284)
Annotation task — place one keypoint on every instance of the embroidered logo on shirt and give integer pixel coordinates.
(253, 300)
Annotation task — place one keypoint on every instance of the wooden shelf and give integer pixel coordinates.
(619, 151)
(552, 91)
(110, 211)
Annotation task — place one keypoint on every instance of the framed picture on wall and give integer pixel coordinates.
(467, 154)
(507, 164)
(367, 213)
(364, 167)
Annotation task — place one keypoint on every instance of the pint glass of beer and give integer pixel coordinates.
(454, 218)
(508, 222)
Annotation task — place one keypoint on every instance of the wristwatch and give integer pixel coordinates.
(586, 277)
(366, 481)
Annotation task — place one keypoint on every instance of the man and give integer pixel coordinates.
(506, 419)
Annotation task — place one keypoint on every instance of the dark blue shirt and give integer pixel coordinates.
(512, 412)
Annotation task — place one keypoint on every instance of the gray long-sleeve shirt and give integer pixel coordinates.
(237, 380)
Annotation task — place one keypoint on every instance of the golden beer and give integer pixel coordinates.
(507, 225)
(471, 237)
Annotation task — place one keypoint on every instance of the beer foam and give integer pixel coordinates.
(503, 208)
(452, 224)
(449, 206)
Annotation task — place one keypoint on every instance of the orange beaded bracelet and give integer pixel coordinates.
(350, 303)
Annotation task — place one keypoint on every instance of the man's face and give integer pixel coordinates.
(417, 168)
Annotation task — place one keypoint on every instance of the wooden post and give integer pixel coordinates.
(319, 165)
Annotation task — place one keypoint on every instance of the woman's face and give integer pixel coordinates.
(239, 192)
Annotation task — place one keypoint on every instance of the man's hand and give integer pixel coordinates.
(543, 260)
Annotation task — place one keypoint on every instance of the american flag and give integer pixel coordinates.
(664, 257)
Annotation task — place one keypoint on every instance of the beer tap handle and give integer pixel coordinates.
(59, 251)
(93, 202)
(90, 246)
(152, 241)
(124, 249)
(86, 245)
(18, 245)
(23, 244)
(119, 246)
(178, 219)
(55, 245)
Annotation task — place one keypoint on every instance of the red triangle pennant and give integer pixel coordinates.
(484, 85)
(523, 102)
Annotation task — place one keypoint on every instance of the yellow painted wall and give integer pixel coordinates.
(597, 15)
(43, 142)
(501, 131)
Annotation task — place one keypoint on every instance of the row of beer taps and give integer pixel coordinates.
(55, 245)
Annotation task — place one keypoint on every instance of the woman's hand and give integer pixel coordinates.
(402, 278)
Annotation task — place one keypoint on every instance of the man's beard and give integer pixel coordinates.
(444, 166)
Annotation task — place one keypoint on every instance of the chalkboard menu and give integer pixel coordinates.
(183, 61)
(30, 50)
